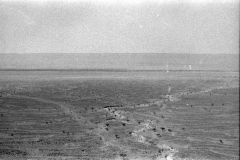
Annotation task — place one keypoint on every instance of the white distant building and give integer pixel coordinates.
(190, 67)
(167, 70)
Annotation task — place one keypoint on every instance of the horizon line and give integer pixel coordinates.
(125, 53)
(115, 70)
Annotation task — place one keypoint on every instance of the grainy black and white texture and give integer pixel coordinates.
(119, 80)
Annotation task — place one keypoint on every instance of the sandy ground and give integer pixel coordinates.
(118, 119)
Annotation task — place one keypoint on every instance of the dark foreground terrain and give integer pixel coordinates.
(119, 115)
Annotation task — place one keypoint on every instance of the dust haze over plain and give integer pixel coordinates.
(186, 27)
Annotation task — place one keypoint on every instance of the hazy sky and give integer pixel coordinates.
(126, 26)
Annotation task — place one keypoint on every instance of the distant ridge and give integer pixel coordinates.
(113, 70)
(119, 62)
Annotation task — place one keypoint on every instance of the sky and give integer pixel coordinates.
(114, 26)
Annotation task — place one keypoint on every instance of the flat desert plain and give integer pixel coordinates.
(148, 115)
